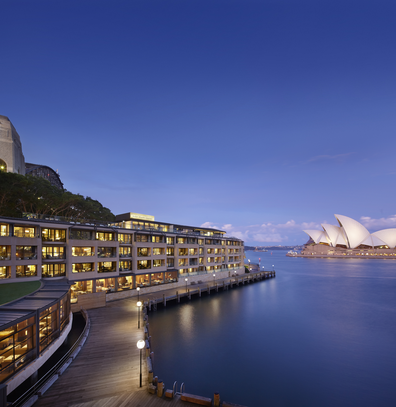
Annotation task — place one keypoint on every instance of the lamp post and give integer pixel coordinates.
(139, 304)
(186, 279)
(273, 268)
(138, 290)
(249, 265)
(140, 344)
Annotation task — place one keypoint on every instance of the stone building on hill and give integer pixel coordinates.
(13, 160)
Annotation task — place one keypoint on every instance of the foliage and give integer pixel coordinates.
(27, 194)
(247, 269)
(13, 291)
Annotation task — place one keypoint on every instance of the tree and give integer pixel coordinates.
(27, 194)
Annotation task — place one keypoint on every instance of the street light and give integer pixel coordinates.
(186, 279)
(249, 265)
(140, 344)
(273, 268)
(138, 290)
(139, 304)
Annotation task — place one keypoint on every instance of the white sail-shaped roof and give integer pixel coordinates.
(318, 236)
(335, 234)
(355, 232)
(388, 236)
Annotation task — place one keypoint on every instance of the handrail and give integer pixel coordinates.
(182, 388)
(41, 382)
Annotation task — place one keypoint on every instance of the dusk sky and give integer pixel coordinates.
(261, 118)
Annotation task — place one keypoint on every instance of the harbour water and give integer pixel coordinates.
(322, 333)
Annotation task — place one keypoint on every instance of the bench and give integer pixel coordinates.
(192, 398)
(193, 283)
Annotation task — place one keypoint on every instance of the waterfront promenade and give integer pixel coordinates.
(106, 371)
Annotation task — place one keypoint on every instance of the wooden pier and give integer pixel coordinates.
(196, 290)
(106, 371)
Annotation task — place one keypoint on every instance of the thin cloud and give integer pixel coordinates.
(377, 224)
(266, 232)
(326, 157)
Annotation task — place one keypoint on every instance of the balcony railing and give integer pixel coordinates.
(104, 269)
(141, 267)
(53, 239)
(25, 234)
(54, 256)
(27, 257)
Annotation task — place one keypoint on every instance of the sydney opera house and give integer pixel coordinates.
(350, 238)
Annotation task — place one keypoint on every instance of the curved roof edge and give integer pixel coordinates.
(356, 233)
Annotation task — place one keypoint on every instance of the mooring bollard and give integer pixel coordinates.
(216, 399)
(160, 388)
(150, 376)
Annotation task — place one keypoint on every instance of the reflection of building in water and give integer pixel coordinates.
(12, 159)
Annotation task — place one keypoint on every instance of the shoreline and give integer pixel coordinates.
(327, 256)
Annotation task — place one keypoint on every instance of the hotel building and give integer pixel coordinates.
(85, 265)
(134, 251)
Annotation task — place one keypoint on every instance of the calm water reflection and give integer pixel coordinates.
(322, 333)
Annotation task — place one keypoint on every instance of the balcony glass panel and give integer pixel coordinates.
(144, 264)
(82, 267)
(26, 252)
(21, 231)
(125, 265)
(107, 266)
(5, 272)
(53, 235)
(5, 252)
(53, 252)
(53, 270)
(26, 271)
(83, 251)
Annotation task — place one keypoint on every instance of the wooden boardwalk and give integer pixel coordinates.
(106, 371)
